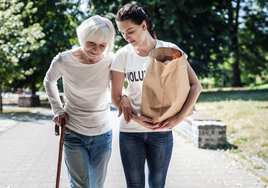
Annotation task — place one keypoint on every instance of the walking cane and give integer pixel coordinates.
(57, 133)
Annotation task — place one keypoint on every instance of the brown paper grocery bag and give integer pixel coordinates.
(166, 85)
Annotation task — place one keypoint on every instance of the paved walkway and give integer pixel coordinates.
(29, 151)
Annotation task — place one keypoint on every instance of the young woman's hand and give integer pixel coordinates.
(171, 122)
(58, 119)
(126, 108)
(145, 122)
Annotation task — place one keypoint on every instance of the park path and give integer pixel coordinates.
(29, 151)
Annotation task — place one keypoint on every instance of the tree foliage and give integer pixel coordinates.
(253, 43)
(59, 20)
(16, 39)
(195, 26)
(222, 38)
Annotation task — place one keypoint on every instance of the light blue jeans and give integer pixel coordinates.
(136, 148)
(86, 158)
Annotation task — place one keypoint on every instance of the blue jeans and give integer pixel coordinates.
(86, 158)
(135, 148)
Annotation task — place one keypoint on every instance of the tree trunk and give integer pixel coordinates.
(1, 102)
(33, 87)
(236, 81)
(234, 48)
(223, 78)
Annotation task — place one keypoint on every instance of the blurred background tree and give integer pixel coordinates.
(59, 20)
(16, 39)
(226, 40)
(253, 42)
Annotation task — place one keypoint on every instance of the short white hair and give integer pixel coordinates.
(96, 29)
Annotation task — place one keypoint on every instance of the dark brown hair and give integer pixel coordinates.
(137, 15)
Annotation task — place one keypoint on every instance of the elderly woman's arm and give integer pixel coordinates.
(195, 90)
(50, 82)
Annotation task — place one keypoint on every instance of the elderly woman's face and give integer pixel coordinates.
(93, 49)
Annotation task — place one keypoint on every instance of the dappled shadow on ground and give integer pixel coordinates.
(12, 112)
(25, 116)
(220, 146)
(245, 95)
(227, 146)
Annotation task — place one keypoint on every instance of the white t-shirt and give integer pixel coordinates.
(85, 90)
(127, 61)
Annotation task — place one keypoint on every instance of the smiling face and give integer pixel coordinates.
(133, 33)
(93, 49)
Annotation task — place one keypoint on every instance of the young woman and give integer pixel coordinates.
(86, 75)
(139, 139)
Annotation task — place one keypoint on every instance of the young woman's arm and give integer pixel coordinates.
(122, 103)
(195, 90)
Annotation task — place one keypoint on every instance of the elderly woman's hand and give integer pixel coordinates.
(126, 108)
(58, 119)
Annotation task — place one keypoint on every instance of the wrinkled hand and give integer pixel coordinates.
(171, 122)
(126, 108)
(145, 122)
(58, 119)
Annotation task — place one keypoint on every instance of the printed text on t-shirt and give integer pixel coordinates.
(136, 76)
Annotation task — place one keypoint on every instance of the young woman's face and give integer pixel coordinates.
(93, 49)
(131, 32)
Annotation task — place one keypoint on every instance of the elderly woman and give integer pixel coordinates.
(86, 75)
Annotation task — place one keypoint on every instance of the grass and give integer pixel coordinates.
(245, 112)
(226, 95)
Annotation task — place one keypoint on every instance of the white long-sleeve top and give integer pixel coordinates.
(85, 90)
